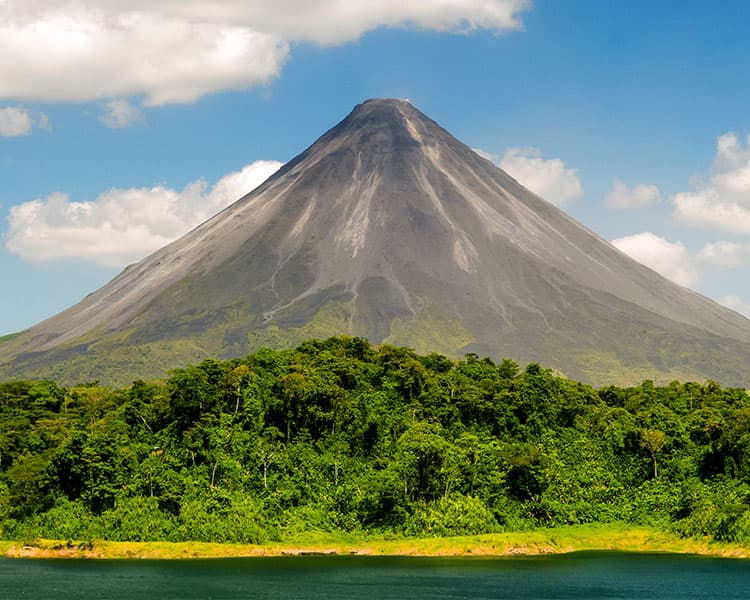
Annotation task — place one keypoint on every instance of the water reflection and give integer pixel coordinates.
(580, 575)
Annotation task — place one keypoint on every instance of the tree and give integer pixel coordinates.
(28, 483)
(421, 453)
(653, 440)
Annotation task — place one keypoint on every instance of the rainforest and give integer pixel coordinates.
(338, 436)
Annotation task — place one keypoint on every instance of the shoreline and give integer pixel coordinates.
(526, 543)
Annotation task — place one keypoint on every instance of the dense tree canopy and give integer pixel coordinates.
(337, 435)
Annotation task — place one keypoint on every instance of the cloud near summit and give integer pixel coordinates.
(122, 225)
(176, 51)
(549, 178)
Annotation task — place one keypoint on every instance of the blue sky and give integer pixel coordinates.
(124, 124)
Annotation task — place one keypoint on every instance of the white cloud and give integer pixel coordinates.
(723, 202)
(173, 51)
(736, 304)
(122, 225)
(334, 21)
(84, 52)
(120, 114)
(641, 195)
(43, 122)
(493, 158)
(549, 178)
(670, 259)
(16, 121)
(725, 255)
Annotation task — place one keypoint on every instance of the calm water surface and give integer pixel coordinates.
(579, 576)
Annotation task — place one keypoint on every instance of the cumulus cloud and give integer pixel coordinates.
(122, 225)
(641, 195)
(549, 178)
(670, 259)
(175, 51)
(725, 255)
(16, 121)
(723, 201)
(120, 114)
(334, 22)
(85, 52)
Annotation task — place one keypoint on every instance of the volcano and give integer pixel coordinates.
(389, 228)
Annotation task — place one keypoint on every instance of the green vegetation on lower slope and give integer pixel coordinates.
(10, 336)
(591, 345)
(602, 368)
(338, 438)
(432, 330)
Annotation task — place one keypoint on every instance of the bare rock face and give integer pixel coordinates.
(389, 228)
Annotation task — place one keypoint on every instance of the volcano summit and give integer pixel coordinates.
(389, 228)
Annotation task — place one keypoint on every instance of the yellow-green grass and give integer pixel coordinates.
(542, 541)
(10, 336)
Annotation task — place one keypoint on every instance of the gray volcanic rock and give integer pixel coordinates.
(388, 227)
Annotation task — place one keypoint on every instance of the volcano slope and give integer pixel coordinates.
(389, 228)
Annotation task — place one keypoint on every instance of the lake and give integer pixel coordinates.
(579, 576)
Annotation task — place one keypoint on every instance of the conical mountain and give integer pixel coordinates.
(388, 227)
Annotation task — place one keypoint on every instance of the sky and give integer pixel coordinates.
(124, 124)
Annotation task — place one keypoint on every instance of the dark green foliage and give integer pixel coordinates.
(337, 435)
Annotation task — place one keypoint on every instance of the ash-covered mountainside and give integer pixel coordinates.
(388, 227)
